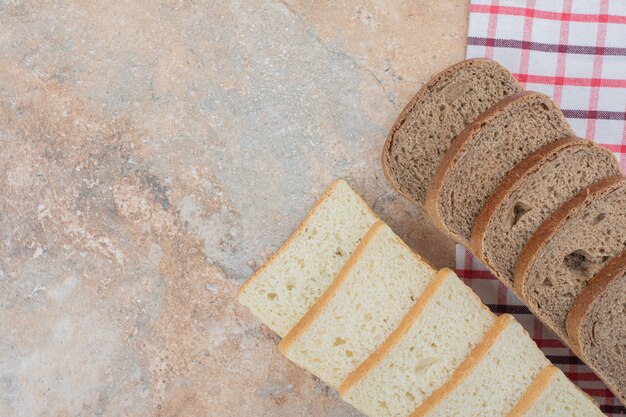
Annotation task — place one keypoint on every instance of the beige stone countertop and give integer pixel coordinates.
(153, 155)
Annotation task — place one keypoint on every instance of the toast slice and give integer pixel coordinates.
(596, 325)
(484, 153)
(492, 378)
(569, 248)
(366, 302)
(284, 288)
(435, 116)
(423, 352)
(553, 395)
(532, 191)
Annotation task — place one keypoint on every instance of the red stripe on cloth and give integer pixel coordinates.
(561, 57)
(538, 336)
(468, 260)
(469, 273)
(502, 292)
(491, 31)
(594, 96)
(548, 343)
(543, 14)
(468, 267)
(576, 81)
(582, 376)
(617, 148)
(526, 37)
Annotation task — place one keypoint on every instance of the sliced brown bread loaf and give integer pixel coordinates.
(530, 193)
(596, 325)
(436, 115)
(568, 249)
(482, 155)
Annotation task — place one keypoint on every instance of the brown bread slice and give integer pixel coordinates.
(568, 249)
(596, 325)
(530, 193)
(482, 155)
(436, 115)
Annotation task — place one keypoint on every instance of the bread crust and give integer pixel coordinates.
(538, 386)
(551, 225)
(408, 109)
(450, 158)
(327, 296)
(615, 269)
(467, 366)
(297, 232)
(568, 343)
(511, 182)
(398, 334)
(403, 328)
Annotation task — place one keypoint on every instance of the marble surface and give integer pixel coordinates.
(152, 156)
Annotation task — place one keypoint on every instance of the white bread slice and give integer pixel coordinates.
(553, 395)
(366, 302)
(492, 378)
(288, 284)
(436, 335)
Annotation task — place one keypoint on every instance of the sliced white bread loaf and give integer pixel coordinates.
(484, 153)
(596, 325)
(436, 335)
(435, 116)
(532, 191)
(569, 248)
(492, 378)
(553, 395)
(373, 292)
(288, 284)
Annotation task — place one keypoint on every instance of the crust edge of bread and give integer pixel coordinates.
(614, 269)
(299, 229)
(552, 224)
(422, 92)
(322, 302)
(509, 184)
(467, 366)
(291, 238)
(398, 334)
(450, 158)
(536, 388)
(324, 299)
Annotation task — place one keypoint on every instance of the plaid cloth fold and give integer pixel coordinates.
(575, 52)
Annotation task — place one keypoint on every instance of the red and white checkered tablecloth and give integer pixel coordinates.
(575, 52)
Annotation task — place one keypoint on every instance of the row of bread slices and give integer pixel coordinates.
(500, 170)
(360, 310)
